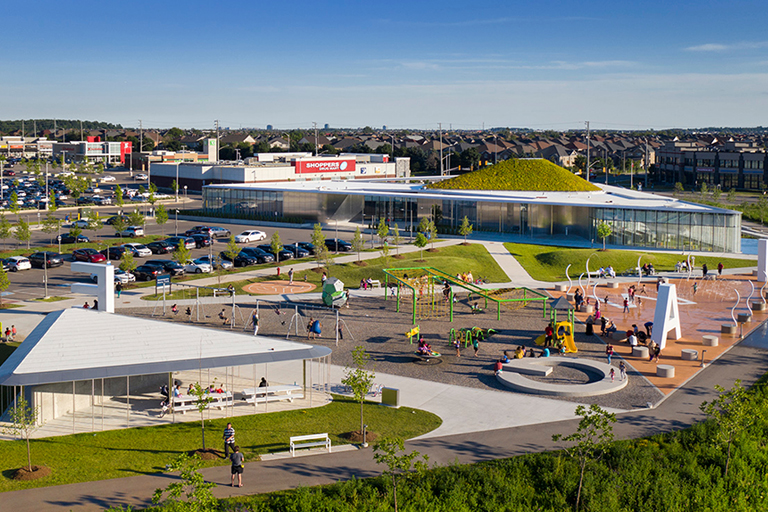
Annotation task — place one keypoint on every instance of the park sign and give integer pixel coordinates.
(163, 281)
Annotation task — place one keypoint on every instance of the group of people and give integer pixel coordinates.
(648, 269)
(367, 283)
(606, 272)
(424, 348)
(10, 334)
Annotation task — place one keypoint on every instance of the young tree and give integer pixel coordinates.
(276, 245)
(591, 439)
(181, 254)
(421, 243)
(318, 240)
(75, 231)
(127, 262)
(22, 232)
(731, 196)
(119, 225)
(604, 230)
(679, 189)
(762, 207)
(119, 199)
(465, 229)
(161, 215)
(382, 231)
(232, 249)
(6, 228)
(386, 451)
(358, 244)
(135, 218)
(717, 193)
(94, 222)
(5, 282)
(732, 412)
(202, 399)
(51, 225)
(24, 418)
(152, 191)
(358, 379)
(14, 202)
(431, 233)
(191, 492)
(396, 238)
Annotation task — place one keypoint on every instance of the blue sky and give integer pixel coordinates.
(548, 64)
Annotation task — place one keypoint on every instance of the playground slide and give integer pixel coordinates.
(567, 337)
(540, 340)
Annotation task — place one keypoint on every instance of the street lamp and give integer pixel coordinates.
(176, 227)
(185, 193)
(176, 189)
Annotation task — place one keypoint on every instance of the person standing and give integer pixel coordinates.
(626, 305)
(290, 275)
(255, 322)
(704, 270)
(237, 460)
(720, 269)
(622, 370)
(609, 352)
(119, 289)
(13, 333)
(309, 326)
(324, 278)
(229, 439)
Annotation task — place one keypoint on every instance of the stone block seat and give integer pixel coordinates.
(612, 284)
(640, 351)
(728, 329)
(710, 341)
(758, 305)
(689, 354)
(665, 371)
(744, 318)
(512, 376)
(560, 287)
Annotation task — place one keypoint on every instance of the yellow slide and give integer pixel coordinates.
(565, 334)
(540, 340)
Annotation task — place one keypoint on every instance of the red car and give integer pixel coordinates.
(88, 255)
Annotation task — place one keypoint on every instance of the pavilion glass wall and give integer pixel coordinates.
(243, 202)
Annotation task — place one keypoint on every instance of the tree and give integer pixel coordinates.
(469, 158)
(604, 230)
(431, 232)
(14, 200)
(386, 450)
(202, 399)
(704, 189)
(75, 231)
(358, 244)
(23, 423)
(421, 243)
(119, 225)
(276, 245)
(5, 282)
(382, 230)
(232, 249)
(318, 240)
(135, 218)
(762, 207)
(358, 379)
(127, 262)
(22, 232)
(731, 195)
(465, 229)
(717, 192)
(161, 215)
(51, 225)
(396, 238)
(94, 222)
(6, 228)
(679, 189)
(191, 492)
(152, 191)
(119, 200)
(591, 439)
(733, 411)
(181, 254)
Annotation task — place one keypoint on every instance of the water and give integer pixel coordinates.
(749, 245)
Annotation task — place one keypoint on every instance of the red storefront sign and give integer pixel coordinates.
(334, 165)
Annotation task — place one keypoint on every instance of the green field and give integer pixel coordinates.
(547, 263)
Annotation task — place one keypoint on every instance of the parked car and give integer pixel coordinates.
(296, 250)
(284, 254)
(252, 235)
(199, 230)
(16, 263)
(131, 231)
(141, 177)
(110, 221)
(121, 276)
(308, 246)
(139, 250)
(169, 266)
(114, 253)
(215, 262)
(260, 255)
(69, 238)
(193, 267)
(88, 255)
(202, 241)
(161, 247)
(337, 244)
(105, 179)
(82, 224)
(241, 260)
(147, 272)
(189, 243)
(218, 232)
(47, 258)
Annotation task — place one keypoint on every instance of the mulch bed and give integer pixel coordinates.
(207, 454)
(36, 473)
(361, 263)
(357, 437)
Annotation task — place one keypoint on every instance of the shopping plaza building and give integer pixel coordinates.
(638, 219)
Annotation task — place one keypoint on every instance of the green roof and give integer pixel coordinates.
(529, 174)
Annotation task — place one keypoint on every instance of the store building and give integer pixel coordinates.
(93, 150)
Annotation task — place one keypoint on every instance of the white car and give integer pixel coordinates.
(121, 276)
(140, 250)
(141, 177)
(16, 263)
(104, 179)
(131, 231)
(193, 267)
(79, 224)
(250, 236)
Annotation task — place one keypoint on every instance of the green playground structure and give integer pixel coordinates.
(430, 300)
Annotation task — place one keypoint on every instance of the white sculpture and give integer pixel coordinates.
(762, 260)
(104, 289)
(666, 318)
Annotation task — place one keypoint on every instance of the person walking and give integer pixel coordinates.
(622, 370)
(657, 352)
(475, 345)
(237, 460)
(613, 374)
(229, 440)
(626, 305)
(255, 322)
(119, 289)
(13, 333)
(720, 269)
(309, 326)
(704, 270)
(609, 352)
(290, 275)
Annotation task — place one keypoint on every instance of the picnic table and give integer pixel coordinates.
(273, 393)
(186, 403)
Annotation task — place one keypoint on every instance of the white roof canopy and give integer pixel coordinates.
(83, 344)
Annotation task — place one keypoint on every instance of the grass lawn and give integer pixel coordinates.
(453, 260)
(547, 263)
(136, 451)
(55, 298)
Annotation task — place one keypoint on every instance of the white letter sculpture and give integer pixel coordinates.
(667, 316)
(104, 289)
(762, 260)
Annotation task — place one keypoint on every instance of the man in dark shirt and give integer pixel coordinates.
(229, 439)
(237, 466)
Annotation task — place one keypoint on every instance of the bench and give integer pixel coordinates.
(375, 283)
(309, 441)
(186, 403)
(273, 394)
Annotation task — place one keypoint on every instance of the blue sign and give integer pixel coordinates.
(163, 280)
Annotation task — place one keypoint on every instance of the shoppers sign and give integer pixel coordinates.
(331, 165)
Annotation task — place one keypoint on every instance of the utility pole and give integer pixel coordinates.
(34, 124)
(647, 164)
(81, 131)
(141, 137)
(605, 165)
(54, 131)
(314, 125)
(22, 129)
(587, 149)
(495, 148)
(441, 148)
(217, 140)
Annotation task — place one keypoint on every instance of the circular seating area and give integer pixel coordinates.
(689, 354)
(512, 377)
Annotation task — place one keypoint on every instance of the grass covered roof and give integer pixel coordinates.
(525, 175)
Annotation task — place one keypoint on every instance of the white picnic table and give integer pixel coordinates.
(186, 403)
(273, 393)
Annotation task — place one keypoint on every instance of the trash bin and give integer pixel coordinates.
(590, 329)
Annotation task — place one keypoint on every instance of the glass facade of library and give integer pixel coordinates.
(711, 231)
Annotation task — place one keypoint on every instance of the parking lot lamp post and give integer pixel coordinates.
(45, 276)
(176, 189)
(185, 193)
(59, 238)
(176, 222)
(46, 187)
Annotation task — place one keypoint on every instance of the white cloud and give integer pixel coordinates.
(718, 47)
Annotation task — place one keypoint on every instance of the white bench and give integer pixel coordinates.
(273, 393)
(186, 403)
(310, 441)
(375, 283)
